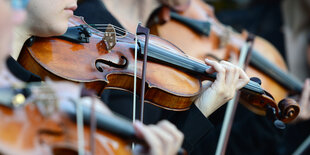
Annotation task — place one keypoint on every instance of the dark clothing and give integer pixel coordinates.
(250, 134)
(192, 122)
(94, 12)
(293, 137)
(263, 18)
(20, 72)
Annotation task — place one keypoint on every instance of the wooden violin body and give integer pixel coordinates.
(221, 44)
(62, 59)
(25, 130)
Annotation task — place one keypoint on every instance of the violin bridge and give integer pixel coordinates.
(109, 37)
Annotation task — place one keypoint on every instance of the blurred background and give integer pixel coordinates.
(260, 17)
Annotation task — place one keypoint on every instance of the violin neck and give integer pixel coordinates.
(201, 27)
(285, 79)
(258, 61)
(261, 63)
(112, 124)
(188, 65)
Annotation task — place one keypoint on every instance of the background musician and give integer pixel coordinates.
(163, 138)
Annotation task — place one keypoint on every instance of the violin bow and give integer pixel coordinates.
(140, 31)
(232, 104)
(304, 146)
(143, 31)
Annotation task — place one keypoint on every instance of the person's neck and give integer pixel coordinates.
(130, 12)
(20, 37)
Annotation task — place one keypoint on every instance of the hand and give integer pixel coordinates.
(304, 103)
(230, 78)
(163, 138)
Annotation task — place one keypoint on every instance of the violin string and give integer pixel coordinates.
(181, 54)
(217, 27)
(107, 25)
(184, 56)
(104, 26)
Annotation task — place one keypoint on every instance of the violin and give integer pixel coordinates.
(32, 123)
(203, 36)
(83, 55)
(33, 128)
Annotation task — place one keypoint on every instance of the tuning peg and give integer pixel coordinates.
(256, 79)
(271, 114)
(279, 124)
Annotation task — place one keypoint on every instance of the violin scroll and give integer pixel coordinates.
(289, 109)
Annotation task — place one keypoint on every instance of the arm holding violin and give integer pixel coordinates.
(194, 123)
(230, 78)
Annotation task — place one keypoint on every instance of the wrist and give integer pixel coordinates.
(203, 108)
(209, 106)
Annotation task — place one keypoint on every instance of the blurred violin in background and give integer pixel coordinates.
(36, 119)
(199, 34)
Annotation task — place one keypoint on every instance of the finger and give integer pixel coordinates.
(218, 68)
(231, 74)
(166, 139)
(243, 79)
(231, 80)
(172, 130)
(210, 63)
(150, 138)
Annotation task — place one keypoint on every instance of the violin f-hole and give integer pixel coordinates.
(121, 63)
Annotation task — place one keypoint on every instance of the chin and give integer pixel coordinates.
(60, 32)
(56, 31)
